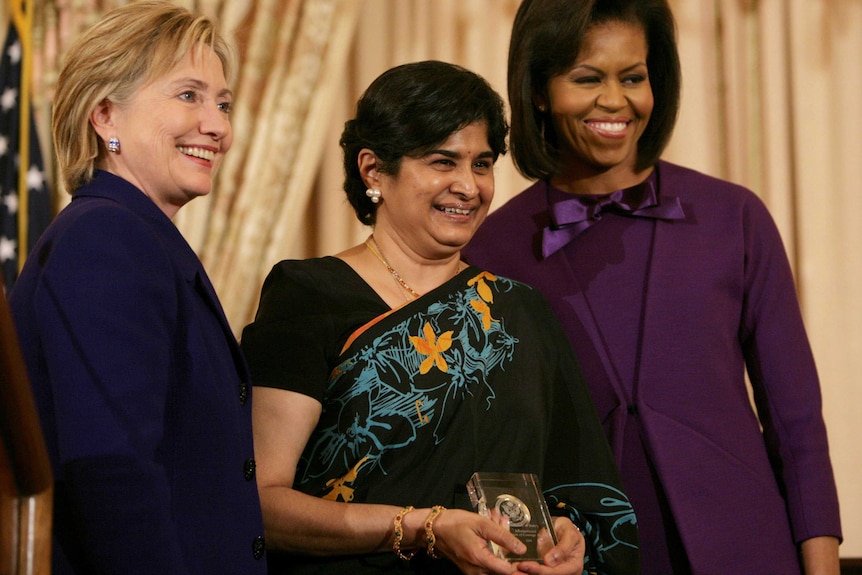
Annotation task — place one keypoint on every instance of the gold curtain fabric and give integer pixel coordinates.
(770, 100)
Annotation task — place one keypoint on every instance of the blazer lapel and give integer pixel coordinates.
(581, 306)
(205, 290)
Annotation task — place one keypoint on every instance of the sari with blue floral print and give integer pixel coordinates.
(475, 375)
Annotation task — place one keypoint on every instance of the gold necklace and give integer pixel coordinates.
(378, 253)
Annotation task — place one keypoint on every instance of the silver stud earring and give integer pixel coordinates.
(373, 195)
(113, 145)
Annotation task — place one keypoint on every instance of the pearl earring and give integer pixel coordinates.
(373, 195)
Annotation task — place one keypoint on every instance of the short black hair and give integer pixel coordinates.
(409, 110)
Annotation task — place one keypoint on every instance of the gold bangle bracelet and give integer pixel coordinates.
(430, 539)
(399, 534)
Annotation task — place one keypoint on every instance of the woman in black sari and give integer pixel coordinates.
(390, 373)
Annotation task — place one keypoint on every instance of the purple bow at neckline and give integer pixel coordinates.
(571, 216)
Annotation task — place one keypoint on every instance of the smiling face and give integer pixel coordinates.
(436, 202)
(600, 107)
(173, 132)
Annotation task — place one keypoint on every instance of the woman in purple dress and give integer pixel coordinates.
(670, 285)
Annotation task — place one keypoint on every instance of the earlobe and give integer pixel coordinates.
(540, 104)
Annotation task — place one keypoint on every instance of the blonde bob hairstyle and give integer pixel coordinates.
(128, 48)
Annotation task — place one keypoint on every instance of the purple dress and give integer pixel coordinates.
(665, 307)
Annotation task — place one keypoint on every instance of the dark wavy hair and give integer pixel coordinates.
(546, 38)
(409, 110)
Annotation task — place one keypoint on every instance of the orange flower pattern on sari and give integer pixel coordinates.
(486, 297)
(372, 403)
(339, 485)
(433, 347)
(482, 287)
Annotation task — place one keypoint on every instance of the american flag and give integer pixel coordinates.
(37, 214)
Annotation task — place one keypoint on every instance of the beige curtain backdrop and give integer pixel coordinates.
(770, 100)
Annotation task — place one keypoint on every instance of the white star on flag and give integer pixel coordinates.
(35, 178)
(11, 202)
(9, 99)
(7, 249)
(14, 52)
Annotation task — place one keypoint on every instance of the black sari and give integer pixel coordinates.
(475, 375)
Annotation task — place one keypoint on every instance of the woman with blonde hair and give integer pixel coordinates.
(142, 391)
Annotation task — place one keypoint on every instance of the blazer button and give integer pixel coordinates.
(258, 546)
(249, 469)
(243, 393)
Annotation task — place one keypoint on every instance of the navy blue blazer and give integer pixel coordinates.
(142, 391)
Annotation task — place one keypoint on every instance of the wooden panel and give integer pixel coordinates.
(8, 515)
(26, 481)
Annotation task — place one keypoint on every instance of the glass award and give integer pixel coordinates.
(516, 499)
